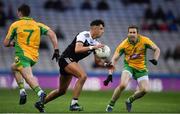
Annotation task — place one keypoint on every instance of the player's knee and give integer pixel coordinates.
(144, 90)
(122, 86)
(83, 78)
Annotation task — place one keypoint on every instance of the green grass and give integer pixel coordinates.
(93, 102)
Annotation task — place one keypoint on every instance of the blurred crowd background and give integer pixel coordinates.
(157, 19)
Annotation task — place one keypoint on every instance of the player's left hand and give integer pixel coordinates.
(153, 61)
(56, 55)
(108, 64)
(12, 44)
(109, 79)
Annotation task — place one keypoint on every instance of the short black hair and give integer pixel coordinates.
(24, 9)
(97, 23)
(133, 27)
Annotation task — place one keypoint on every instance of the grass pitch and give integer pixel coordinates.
(92, 101)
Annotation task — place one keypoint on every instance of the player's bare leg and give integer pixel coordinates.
(76, 70)
(31, 80)
(20, 82)
(33, 83)
(143, 89)
(125, 78)
(64, 83)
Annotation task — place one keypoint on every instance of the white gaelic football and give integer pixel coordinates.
(104, 52)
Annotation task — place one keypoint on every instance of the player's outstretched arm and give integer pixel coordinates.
(54, 41)
(8, 41)
(156, 49)
(111, 67)
(114, 60)
(53, 38)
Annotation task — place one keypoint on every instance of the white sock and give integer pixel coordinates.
(22, 90)
(128, 100)
(40, 92)
(74, 102)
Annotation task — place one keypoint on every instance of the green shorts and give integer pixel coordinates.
(135, 73)
(21, 61)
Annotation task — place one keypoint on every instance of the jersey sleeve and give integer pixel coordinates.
(43, 28)
(80, 38)
(95, 42)
(11, 32)
(120, 48)
(149, 43)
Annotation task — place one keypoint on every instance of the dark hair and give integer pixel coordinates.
(133, 27)
(24, 9)
(97, 23)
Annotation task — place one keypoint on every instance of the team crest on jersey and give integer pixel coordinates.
(17, 60)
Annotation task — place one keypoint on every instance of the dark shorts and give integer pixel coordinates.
(63, 62)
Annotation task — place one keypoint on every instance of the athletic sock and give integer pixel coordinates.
(130, 99)
(22, 91)
(136, 96)
(21, 84)
(74, 101)
(38, 90)
(112, 103)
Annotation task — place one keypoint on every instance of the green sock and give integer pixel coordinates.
(37, 89)
(21, 85)
(112, 103)
(131, 99)
(136, 96)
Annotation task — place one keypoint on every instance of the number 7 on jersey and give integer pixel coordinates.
(29, 36)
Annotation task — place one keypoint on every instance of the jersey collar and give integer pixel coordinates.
(138, 38)
(90, 35)
(25, 18)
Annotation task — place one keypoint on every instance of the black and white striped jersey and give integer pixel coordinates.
(86, 39)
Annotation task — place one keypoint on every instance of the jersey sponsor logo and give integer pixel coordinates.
(135, 56)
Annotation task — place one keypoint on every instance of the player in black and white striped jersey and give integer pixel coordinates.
(83, 45)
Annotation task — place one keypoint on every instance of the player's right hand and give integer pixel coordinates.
(56, 55)
(108, 79)
(98, 46)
